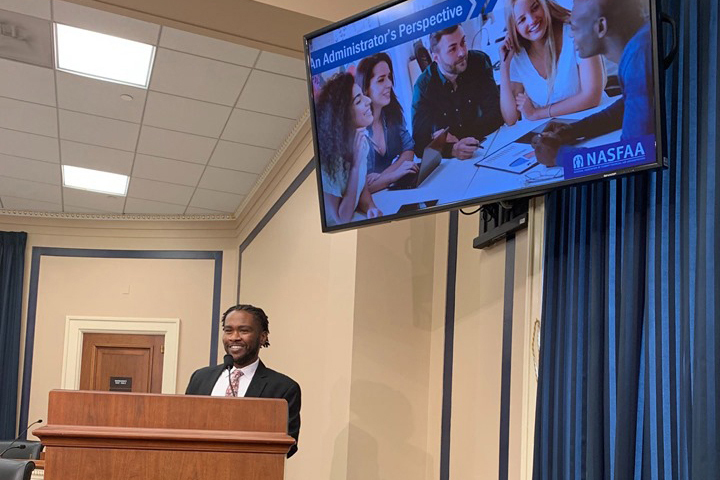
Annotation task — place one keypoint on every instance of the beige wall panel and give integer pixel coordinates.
(391, 351)
(478, 356)
(305, 281)
(119, 288)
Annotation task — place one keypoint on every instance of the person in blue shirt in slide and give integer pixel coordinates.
(620, 30)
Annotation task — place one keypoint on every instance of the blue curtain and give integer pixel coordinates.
(12, 269)
(628, 381)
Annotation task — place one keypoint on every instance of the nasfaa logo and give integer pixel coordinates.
(618, 153)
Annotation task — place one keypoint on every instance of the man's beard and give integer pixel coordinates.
(455, 68)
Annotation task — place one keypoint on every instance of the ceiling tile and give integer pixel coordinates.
(274, 94)
(31, 190)
(238, 156)
(272, 62)
(97, 158)
(180, 146)
(88, 210)
(159, 191)
(230, 181)
(14, 203)
(28, 145)
(23, 168)
(203, 211)
(92, 200)
(36, 45)
(28, 117)
(98, 97)
(185, 115)
(27, 82)
(218, 201)
(196, 77)
(35, 8)
(257, 129)
(208, 47)
(100, 131)
(104, 22)
(137, 206)
(164, 170)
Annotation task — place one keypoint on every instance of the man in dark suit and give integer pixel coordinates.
(245, 330)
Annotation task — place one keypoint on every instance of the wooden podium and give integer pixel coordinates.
(120, 436)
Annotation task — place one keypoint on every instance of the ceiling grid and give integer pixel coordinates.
(196, 142)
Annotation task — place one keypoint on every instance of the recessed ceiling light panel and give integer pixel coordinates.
(95, 180)
(103, 56)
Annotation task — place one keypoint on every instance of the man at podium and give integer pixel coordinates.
(245, 330)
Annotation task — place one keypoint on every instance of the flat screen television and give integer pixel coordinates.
(420, 106)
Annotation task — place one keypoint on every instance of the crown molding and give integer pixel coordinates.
(280, 154)
(130, 217)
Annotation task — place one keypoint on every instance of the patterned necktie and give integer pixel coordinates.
(234, 383)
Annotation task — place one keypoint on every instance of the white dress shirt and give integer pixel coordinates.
(223, 382)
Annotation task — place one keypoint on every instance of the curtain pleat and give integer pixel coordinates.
(628, 377)
(12, 270)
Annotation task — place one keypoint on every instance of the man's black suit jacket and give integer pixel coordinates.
(266, 383)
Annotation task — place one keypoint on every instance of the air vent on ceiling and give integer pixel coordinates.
(26, 39)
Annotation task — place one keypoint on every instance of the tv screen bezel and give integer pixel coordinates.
(660, 159)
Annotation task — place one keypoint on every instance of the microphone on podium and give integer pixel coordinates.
(20, 447)
(228, 362)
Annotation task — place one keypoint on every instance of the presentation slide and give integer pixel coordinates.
(431, 103)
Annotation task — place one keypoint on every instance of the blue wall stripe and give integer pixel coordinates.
(29, 339)
(39, 252)
(448, 347)
(506, 356)
(215, 332)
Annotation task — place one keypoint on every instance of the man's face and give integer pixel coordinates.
(242, 337)
(451, 52)
(587, 27)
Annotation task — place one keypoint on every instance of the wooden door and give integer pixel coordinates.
(122, 362)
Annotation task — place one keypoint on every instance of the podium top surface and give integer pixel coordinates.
(187, 412)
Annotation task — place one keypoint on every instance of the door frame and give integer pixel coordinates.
(77, 326)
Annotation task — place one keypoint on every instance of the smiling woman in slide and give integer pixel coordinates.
(392, 156)
(343, 113)
(540, 74)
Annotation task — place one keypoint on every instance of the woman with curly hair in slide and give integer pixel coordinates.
(392, 156)
(540, 74)
(343, 113)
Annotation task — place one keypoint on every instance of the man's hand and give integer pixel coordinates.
(465, 148)
(548, 143)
